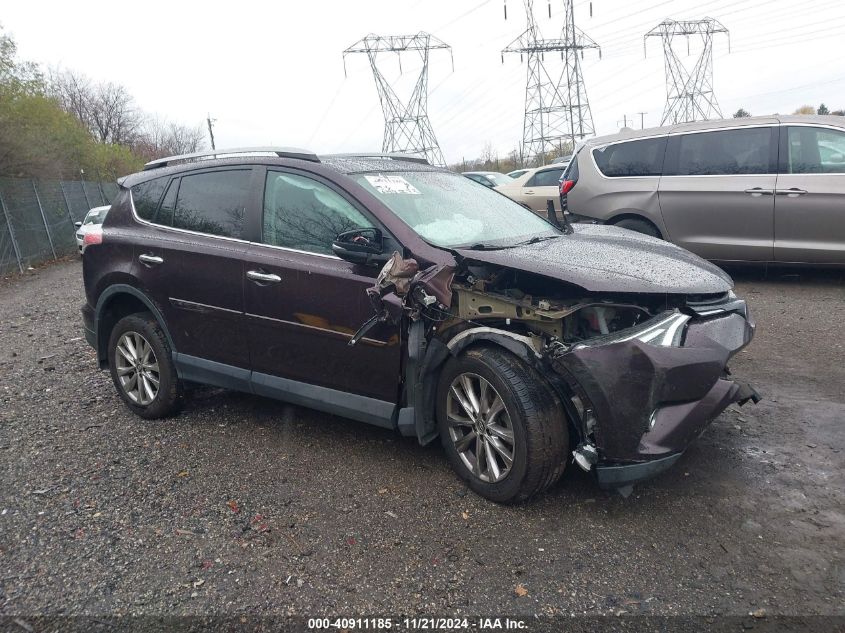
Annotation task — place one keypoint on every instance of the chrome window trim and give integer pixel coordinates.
(296, 250)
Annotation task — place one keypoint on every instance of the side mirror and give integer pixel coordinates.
(359, 246)
(77, 224)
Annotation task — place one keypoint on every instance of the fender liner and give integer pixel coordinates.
(102, 303)
(434, 353)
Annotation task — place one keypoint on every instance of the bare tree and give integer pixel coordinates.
(159, 137)
(73, 92)
(106, 109)
(114, 115)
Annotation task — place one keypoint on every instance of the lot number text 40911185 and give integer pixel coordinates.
(418, 623)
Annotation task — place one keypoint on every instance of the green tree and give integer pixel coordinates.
(742, 113)
(822, 109)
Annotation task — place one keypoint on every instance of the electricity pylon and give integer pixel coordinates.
(556, 105)
(407, 128)
(689, 94)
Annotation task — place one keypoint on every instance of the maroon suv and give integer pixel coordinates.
(392, 292)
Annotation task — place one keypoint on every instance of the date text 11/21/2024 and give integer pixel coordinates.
(419, 623)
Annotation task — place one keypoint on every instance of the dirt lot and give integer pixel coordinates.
(243, 504)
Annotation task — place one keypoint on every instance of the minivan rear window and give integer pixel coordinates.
(631, 158)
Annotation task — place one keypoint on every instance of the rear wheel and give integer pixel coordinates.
(141, 366)
(640, 226)
(502, 428)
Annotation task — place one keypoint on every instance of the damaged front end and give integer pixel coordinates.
(639, 374)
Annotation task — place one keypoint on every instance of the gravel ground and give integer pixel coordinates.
(244, 505)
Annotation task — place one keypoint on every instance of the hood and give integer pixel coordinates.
(609, 259)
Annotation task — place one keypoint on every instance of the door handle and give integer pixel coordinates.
(529, 192)
(793, 191)
(759, 191)
(150, 260)
(261, 277)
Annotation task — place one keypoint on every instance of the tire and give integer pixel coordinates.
(140, 334)
(640, 226)
(530, 411)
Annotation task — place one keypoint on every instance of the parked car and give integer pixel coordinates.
(392, 292)
(91, 223)
(488, 178)
(516, 173)
(535, 188)
(761, 189)
(562, 160)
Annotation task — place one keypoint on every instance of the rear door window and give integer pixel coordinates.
(213, 202)
(722, 153)
(814, 150)
(631, 158)
(545, 178)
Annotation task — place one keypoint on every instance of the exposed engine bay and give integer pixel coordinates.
(634, 391)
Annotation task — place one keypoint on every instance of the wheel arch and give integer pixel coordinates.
(635, 215)
(116, 302)
(437, 352)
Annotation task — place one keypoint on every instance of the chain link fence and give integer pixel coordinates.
(37, 218)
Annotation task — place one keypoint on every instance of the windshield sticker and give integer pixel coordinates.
(392, 184)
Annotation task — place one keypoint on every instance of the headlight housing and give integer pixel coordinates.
(665, 330)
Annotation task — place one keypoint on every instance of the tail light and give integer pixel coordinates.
(92, 238)
(566, 186)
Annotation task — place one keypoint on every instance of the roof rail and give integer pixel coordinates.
(281, 152)
(389, 155)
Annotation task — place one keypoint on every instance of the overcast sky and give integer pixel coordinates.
(272, 72)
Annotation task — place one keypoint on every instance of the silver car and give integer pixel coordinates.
(759, 189)
(93, 222)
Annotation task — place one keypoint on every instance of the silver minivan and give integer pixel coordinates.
(758, 189)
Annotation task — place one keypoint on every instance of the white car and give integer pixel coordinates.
(93, 221)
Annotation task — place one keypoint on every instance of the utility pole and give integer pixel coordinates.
(210, 122)
(556, 105)
(407, 128)
(689, 93)
(624, 121)
(642, 119)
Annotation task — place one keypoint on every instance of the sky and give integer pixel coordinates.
(272, 73)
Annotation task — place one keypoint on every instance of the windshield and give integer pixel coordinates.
(451, 211)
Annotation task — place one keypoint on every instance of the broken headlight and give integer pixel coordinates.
(665, 330)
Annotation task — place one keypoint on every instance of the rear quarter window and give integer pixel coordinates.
(631, 158)
(146, 196)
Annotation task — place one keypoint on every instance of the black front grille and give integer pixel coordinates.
(707, 299)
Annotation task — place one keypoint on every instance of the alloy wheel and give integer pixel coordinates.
(137, 368)
(480, 427)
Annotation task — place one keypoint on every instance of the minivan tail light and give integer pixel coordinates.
(566, 186)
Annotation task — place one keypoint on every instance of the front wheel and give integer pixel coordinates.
(141, 366)
(502, 427)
